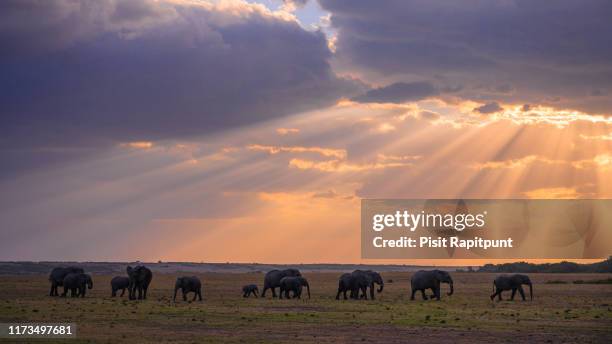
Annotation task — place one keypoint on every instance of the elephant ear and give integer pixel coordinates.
(129, 270)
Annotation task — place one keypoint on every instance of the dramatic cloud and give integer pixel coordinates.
(556, 53)
(488, 108)
(398, 93)
(125, 71)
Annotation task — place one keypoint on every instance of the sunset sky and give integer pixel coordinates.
(249, 131)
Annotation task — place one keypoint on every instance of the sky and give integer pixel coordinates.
(217, 131)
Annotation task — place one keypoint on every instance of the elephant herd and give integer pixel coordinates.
(290, 282)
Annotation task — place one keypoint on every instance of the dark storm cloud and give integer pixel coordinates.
(398, 93)
(553, 52)
(489, 108)
(90, 72)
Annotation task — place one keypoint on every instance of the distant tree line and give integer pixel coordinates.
(562, 267)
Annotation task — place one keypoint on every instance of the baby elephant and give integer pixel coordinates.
(188, 284)
(511, 282)
(293, 284)
(119, 283)
(77, 284)
(250, 289)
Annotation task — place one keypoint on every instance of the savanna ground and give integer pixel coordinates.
(559, 312)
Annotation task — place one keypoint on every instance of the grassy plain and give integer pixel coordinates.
(559, 312)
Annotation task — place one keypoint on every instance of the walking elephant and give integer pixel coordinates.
(249, 289)
(140, 278)
(188, 284)
(57, 275)
(293, 284)
(77, 284)
(345, 283)
(119, 283)
(423, 280)
(511, 282)
(273, 278)
(374, 278)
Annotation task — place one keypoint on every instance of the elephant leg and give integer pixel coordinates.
(144, 291)
(365, 292)
(493, 295)
(499, 297)
(200, 294)
(412, 295)
(513, 293)
(82, 291)
(255, 293)
(338, 293)
(184, 294)
(522, 292)
(274, 292)
(51, 291)
(195, 295)
(423, 294)
(122, 292)
(436, 291)
(372, 291)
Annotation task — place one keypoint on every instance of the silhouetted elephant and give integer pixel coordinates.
(119, 283)
(188, 284)
(57, 275)
(293, 284)
(423, 280)
(345, 283)
(249, 289)
(273, 278)
(511, 282)
(374, 278)
(140, 278)
(77, 284)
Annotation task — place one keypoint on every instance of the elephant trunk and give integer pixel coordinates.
(308, 289)
(531, 291)
(451, 288)
(382, 285)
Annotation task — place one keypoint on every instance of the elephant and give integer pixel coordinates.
(273, 278)
(295, 285)
(345, 283)
(511, 282)
(77, 284)
(188, 284)
(57, 277)
(249, 289)
(423, 280)
(140, 278)
(374, 278)
(119, 283)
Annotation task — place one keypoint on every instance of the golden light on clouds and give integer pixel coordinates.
(328, 152)
(287, 131)
(138, 144)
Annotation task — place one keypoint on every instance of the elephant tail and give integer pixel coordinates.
(493, 286)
